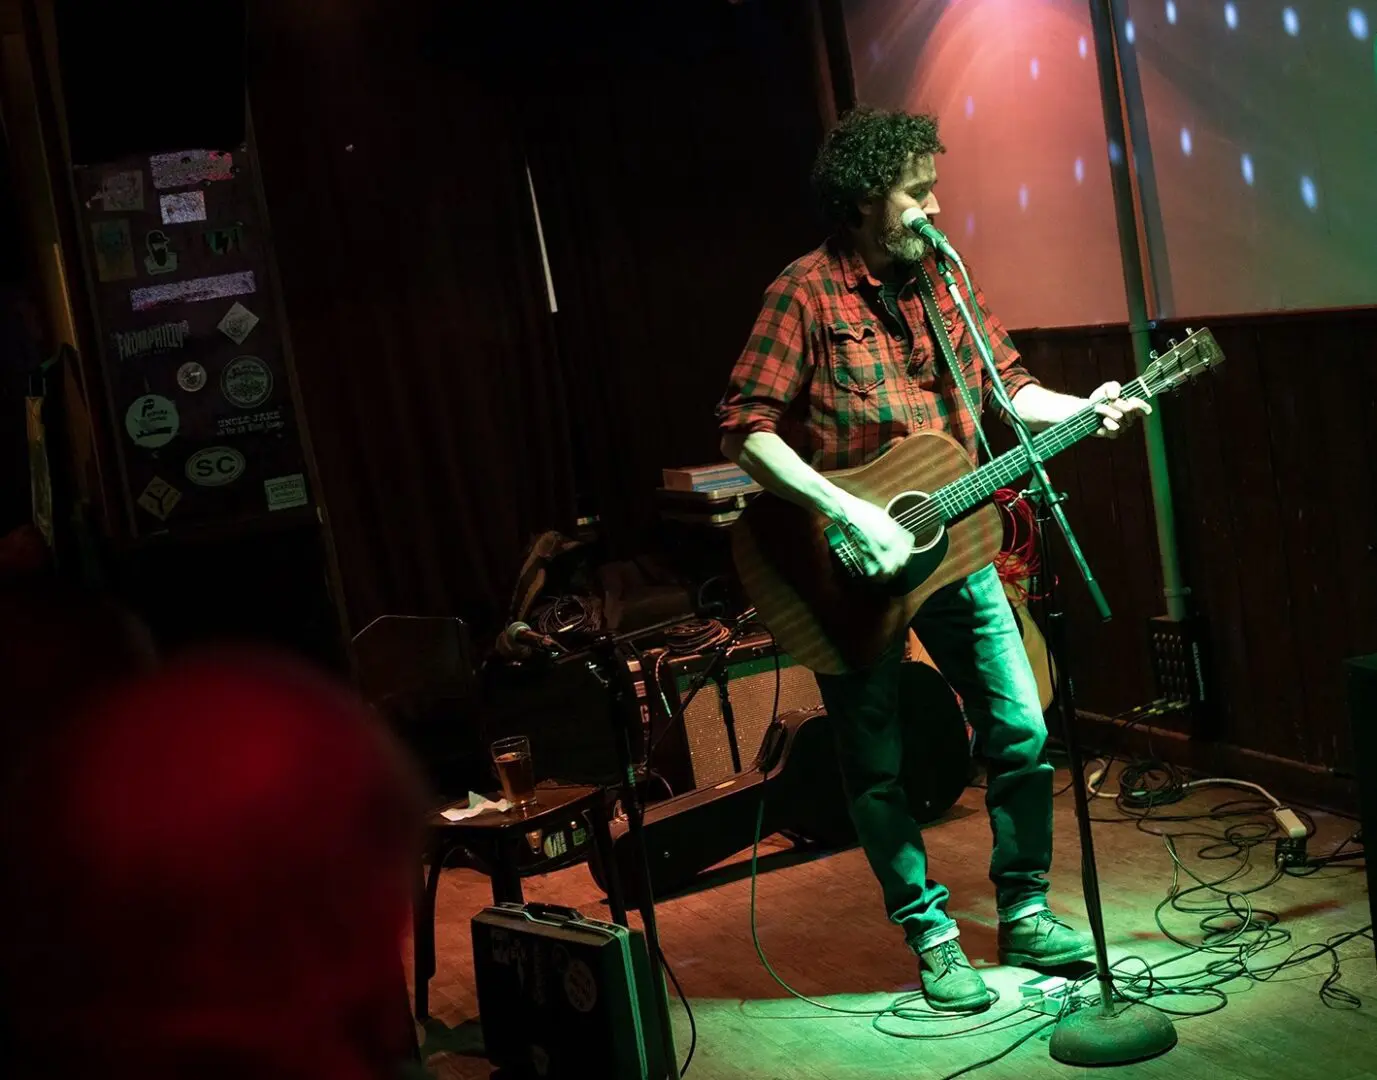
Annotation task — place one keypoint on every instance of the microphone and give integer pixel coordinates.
(915, 220)
(518, 639)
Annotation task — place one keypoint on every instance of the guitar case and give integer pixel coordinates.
(797, 774)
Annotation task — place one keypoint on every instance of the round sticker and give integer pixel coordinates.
(191, 376)
(580, 987)
(246, 382)
(152, 421)
(215, 466)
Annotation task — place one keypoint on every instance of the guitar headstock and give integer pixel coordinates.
(1184, 361)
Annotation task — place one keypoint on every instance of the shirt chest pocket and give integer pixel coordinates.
(857, 356)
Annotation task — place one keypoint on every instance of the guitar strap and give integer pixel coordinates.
(939, 332)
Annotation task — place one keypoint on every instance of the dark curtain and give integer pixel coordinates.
(417, 304)
(452, 416)
(670, 149)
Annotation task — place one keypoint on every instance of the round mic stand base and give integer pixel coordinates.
(1117, 1034)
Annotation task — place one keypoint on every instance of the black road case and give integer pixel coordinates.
(564, 996)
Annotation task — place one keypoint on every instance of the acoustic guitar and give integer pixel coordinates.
(803, 573)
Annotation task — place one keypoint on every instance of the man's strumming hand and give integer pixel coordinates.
(884, 545)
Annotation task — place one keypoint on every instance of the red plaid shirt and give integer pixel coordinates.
(831, 370)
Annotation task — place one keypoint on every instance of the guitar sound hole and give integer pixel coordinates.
(916, 512)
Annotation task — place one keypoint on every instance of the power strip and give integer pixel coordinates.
(1289, 823)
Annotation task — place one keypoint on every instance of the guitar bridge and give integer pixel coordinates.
(843, 550)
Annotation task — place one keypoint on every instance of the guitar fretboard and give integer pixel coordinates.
(975, 488)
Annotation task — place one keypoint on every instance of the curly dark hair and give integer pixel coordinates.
(864, 156)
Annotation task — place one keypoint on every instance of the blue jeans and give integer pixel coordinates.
(970, 631)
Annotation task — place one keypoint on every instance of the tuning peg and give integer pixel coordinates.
(1152, 354)
(1171, 342)
(1189, 331)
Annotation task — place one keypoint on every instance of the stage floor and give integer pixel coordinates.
(823, 929)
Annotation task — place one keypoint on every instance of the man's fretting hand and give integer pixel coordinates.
(1117, 413)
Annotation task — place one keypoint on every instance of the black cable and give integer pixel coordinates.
(1133, 717)
(695, 635)
(554, 617)
(1233, 932)
(693, 1026)
(1137, 793)
(1003, 1053)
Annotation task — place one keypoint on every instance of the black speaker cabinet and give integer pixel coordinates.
(1361, 679)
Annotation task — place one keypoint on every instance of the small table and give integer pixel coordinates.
(494, 843)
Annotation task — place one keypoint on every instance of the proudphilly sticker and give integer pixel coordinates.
(151, 339)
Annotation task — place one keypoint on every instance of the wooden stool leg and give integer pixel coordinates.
(413, 1046)
(423, 933)
(506, 879)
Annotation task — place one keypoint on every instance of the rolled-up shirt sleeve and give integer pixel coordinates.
(1008, 363)
(775, 364)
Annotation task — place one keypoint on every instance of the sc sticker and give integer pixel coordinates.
(215, 466)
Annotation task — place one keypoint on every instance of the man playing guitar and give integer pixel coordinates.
(845, 361)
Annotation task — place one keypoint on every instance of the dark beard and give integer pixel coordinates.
(904, 247)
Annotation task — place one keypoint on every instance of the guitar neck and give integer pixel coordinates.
(975, 488)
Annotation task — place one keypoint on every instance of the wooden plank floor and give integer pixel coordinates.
(822, 927)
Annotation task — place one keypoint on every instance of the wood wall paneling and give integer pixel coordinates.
(1272, 462)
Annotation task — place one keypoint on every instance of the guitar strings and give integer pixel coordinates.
(939, 507)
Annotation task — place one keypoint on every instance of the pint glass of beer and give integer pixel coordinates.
(512, 757)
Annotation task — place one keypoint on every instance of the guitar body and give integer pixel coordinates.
(829, 619)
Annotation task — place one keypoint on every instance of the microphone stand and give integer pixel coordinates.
(1115, 1031)
(603, 659)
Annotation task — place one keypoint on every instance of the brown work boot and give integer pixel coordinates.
(950, 984)
(1042, 941)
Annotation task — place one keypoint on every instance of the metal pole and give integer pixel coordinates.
(1126, 212)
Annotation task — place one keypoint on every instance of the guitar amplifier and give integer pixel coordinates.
(564, 996)
(698, 752)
